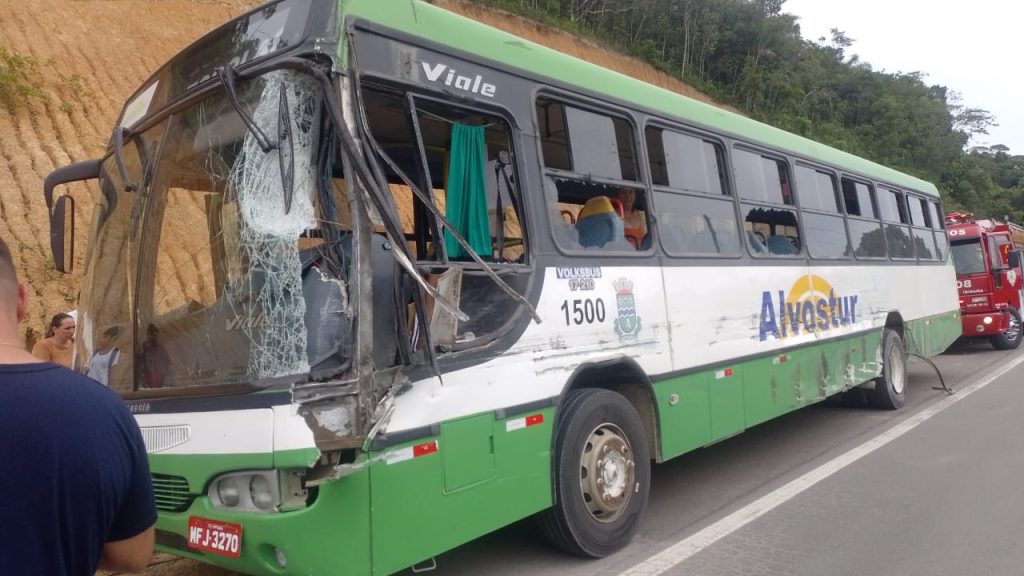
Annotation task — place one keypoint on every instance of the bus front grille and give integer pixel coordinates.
(172, 493)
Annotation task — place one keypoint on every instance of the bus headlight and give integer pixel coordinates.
(227, 491)
(987, 320)
(261, 493)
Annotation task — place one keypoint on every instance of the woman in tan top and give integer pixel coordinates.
(59, 344)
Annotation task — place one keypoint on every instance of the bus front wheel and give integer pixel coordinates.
(602, 474)
(1010, 339)
(890, 386)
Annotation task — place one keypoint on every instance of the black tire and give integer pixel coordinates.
(890, 387)
(585, 519)
(1010, 339)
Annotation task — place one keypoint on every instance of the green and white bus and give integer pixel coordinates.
(385, 279)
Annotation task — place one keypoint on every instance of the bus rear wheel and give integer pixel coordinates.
(602, 474)
(890, 386)
(1010, 339)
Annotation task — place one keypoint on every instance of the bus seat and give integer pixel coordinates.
(756, 245)
(566, 235)
(779, 244)
(598, 223)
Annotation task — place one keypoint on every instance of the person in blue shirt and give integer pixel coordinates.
(76, 495)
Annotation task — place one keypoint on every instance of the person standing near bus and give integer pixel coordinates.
(634, 220)
(81, 497)
(105, 357)
(59, 345)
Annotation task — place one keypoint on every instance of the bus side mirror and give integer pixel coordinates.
(62, 233)
(1014, 258)
(62, 210)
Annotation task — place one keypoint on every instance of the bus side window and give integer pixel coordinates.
(823, 222)
(861, 217)
(462, 160)
(592, 179)
(696, 216)
(893, 209)
(767, 202)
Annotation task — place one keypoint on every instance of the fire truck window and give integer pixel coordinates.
(968, 257)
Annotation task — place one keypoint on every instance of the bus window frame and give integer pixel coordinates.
(728, 186)
(551, 176)
(902, 222)
(875, 218)
(771, 154)
(839, 211)
(410, 94)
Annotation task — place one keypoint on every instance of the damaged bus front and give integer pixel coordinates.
(248, 262)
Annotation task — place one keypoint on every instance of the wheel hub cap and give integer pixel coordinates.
(607, 473)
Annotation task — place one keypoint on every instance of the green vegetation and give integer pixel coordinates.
(20, 79)
(24, 80)
(750, 54)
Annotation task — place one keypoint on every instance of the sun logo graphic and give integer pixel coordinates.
(811, 306)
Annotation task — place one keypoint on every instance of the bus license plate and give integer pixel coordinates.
(215, 536)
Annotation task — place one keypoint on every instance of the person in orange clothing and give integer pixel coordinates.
(634, 219)
(59, 345)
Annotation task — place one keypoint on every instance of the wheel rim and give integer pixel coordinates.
(1013, 328)
(607, 473)
(897, 371)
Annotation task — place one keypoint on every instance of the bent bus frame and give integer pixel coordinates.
(384, 268)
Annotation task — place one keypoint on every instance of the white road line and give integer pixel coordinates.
(680, 551)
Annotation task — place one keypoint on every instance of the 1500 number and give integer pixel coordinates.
(583, 311)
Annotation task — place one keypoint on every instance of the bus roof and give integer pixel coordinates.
(441, 26)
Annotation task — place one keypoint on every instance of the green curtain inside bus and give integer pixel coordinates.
(466, 194)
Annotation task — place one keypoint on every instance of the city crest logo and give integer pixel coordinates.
(627, 324)
(812, 306)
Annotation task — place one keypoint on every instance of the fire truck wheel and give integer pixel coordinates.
(1010, 339)
(890, 386)
(602, 474)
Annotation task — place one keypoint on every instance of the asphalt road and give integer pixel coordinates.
(943, 497)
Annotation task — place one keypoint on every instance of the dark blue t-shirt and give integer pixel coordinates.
(75, 471)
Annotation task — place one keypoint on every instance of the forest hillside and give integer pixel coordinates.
(66, 66)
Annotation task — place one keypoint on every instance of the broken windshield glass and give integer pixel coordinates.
(232, 268)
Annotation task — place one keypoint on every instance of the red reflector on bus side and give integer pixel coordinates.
(534, 419)
(424, 449)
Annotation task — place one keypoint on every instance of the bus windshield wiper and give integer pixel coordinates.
(284, 144)
(119, 133)
(226, 75)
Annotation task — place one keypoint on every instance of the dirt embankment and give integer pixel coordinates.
(92, 55)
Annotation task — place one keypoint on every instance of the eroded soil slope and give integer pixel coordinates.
(92, 54)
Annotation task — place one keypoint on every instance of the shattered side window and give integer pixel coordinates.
(461, 161)
(225, 269)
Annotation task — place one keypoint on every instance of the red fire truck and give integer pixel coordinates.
(989, 277)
